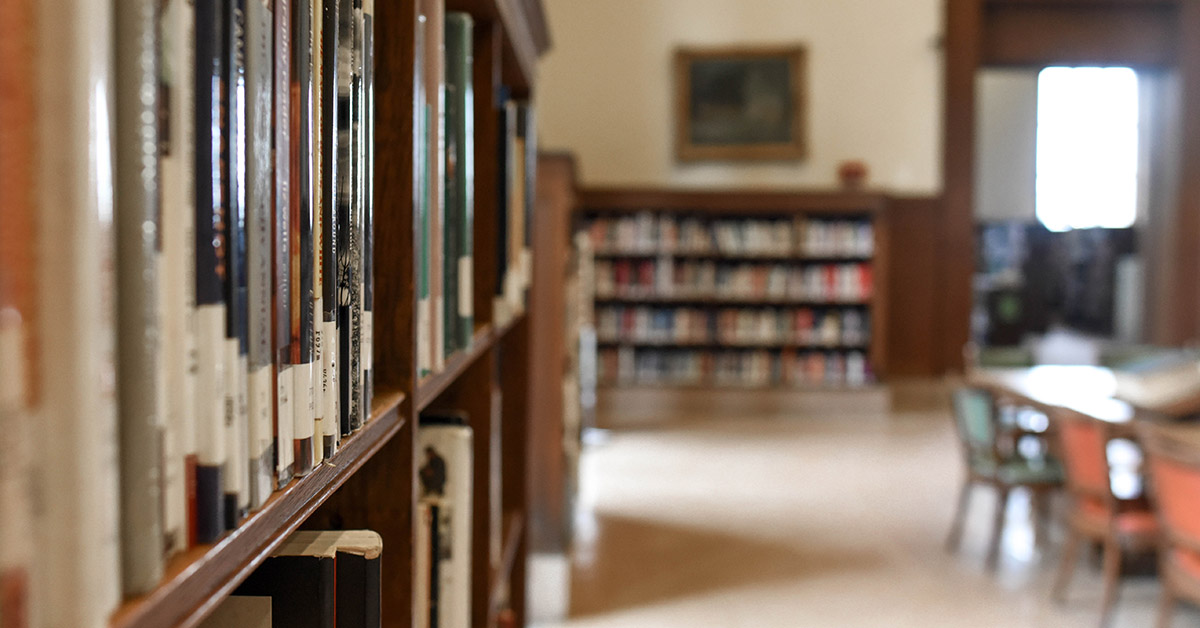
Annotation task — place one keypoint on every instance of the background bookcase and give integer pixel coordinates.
(371, 481)
(711, 288)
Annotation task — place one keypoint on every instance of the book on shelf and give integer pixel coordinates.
(434, 83)
(281, 259)
(317, 34)
(321, 579)
(331, 425)
(459, 180)
(444, 448)
(301, 249)
(241, 611)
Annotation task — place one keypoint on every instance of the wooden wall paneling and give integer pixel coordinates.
(1140, 34)
(515, 384)
(911, 287)
(955, 236)
(880, 293)
(471, 394)
(752, 200)
(1184, 296)
(486, 82)
(555, 204)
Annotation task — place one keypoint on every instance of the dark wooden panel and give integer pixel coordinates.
(955, 239)
(1081, 33)
(394, 312)
(486, 81)
(913, 346)
(556, 202)
(752, 200)
(515, 476)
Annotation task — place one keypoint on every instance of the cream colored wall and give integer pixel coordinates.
(874, 89)
(1005, 144)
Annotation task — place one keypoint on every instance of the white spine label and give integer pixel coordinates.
(368, 339)
(466, 286)
(302, 409)
(283, 447)
(210, 384)
(332, 422)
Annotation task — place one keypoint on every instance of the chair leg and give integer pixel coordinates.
(1112, 575)
(1041, 517)
(993, 557)
(960, 515)
(1066, 565)
(1166, 606)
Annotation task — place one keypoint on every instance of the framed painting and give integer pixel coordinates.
(740, 103)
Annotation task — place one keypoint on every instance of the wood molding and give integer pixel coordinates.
(1036, 34)
(747, 200)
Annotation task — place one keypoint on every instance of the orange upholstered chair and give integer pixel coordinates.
(1175, 473)
(1096, 514)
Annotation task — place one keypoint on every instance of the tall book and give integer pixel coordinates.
(18, 296)
(444, 445)
(435, 98)
(301, 230)
(321, 579)
(260, 16)
(177, 274)
(349, 223)
(76, 528)
(282, 259)
(318, 202)
(136, 200)
(367, 183)
(237, 429)
(506, 131)
(460, 174)
(357, 218)
(331, 428)
(421, 198)
(527, 131)
(211, 275)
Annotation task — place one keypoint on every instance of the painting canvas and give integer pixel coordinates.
(740, 104)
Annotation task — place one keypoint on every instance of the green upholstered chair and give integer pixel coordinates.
(992, 459)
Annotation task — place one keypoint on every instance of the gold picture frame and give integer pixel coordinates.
(741, 103)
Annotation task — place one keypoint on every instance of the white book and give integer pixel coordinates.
(76, 526)
(178, 272)
(445, 458)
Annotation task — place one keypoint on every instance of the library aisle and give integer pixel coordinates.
(825, 519)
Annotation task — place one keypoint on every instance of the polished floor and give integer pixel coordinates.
(835, 518)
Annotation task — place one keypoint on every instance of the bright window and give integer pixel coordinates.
(1087, 148)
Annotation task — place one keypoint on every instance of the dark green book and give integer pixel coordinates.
(460, 180)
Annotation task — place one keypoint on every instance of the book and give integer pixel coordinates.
(318, 211)
(139, 247)
(233, 150)
(282, 259)
(260, 17)
(331, 429)
(241, 611)
(422, 200)
(77, 583)
(367, 181)
(177, 274)
(349, 220)
(445, 451)
(19, 376)
(435, 97)
(301, 247)
(321, 579)
(460, 180)
(212, 346)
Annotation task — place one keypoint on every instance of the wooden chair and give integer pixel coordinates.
(1096, 514)
(991, 459)
(1174, 470)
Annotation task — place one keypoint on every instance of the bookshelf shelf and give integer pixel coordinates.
(200, 578)
(430, 387)
(677, 260)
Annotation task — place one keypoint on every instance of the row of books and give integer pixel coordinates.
(772, 237)
(444, 156)
(728, 367)
(190, 320)
(803, 326)
(650, 278)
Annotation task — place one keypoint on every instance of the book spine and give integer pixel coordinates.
(367, 183)
(421, 200)
(138, 248)
(526, 118)
(461, 117)
(347, 243)
(18, 295)
(358, 594)
(178, 272)
(435, 94)
(302, 238)
(331, 429)
(211, 277)
(444, 445)
(281, 103)
(77, 583)
(318, 202)
(237, 429)
(259, 186)
(451, 215)
(356, 218)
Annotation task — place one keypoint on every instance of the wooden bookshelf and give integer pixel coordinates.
(784, 210)
(370, 483)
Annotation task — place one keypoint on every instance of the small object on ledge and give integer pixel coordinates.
(853, 174)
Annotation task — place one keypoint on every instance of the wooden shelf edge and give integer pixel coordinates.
(198, 580)
(429, 388)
